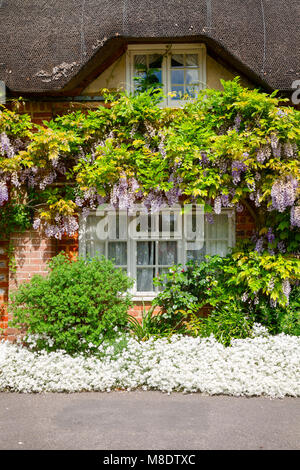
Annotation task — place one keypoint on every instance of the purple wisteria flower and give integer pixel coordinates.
(124, 193)
(271, 284)
(237, 122)
(65, 225)
(225, 200)
(295, 216)
(288, 149)
(257, 199)
(78, 201)
(270, 235)
(5, 146)
(204, 161)
(15, 180)
(281, 247)
(36, 223)
(259, 245)
(47, 180)
(277, 151)
(274, 141)
(173, 194)
(134, 129)
(161, 146)
(283, 193)
(85, 212)
(218, 205)
(154, 201)
(286, 288)
(263, 154)
(151, 130)
(237, 167)
(3, 193)
(209, 218)
(281, 113)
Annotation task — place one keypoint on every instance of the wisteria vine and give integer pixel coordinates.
(227, 149)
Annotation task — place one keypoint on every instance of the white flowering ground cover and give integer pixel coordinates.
(261, 365)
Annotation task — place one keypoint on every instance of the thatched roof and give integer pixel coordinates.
(50, 45)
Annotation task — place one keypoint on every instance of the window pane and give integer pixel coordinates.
(155, 61)
(95, 248)
(192, 76)
(195, 251)
(177, 76)
(217, 248)
(219, 229)
(140, 66)
(192, 90)
(167, 253)
(195, 255)
(177, 60)
(191, 60)
(166, 223)
(179, 90)
(144, 279)
(156, 77)
(117, 251)
(140, 60)
(145, 253)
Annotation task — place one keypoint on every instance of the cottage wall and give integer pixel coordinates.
(114, 77)
(30, 250)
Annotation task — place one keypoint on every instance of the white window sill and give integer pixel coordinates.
(146, 297)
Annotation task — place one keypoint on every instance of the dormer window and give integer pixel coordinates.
(179, 69)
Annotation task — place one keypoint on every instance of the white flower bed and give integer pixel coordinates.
(262, 365)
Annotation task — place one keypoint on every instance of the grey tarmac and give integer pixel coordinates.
(147, 420)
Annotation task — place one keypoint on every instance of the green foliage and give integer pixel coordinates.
(257, 275)
(154, 325)
(289, 317)
(15, 217)
(226, 322)
(74, 305)
(194, 148)
(240, 289)
(147, 80)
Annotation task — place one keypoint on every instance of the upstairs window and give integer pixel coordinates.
(179, 69)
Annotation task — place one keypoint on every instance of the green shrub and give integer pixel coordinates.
(152, 324)
(225, 323)
(289, 319)
(243, 285)
(75, 306)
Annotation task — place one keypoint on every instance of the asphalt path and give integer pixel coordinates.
(147, 420)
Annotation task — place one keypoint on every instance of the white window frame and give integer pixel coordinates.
(132, 249)
(166, 50)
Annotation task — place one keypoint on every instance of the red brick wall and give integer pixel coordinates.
(30, 254)
(245, 225)
(4, 273)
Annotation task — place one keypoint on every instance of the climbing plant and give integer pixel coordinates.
(230, 148)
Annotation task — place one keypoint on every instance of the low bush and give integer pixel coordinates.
(74, 305)
(241, 289)
(226, 322)
(154, 325)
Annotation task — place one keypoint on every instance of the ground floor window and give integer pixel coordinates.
(146, 244)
